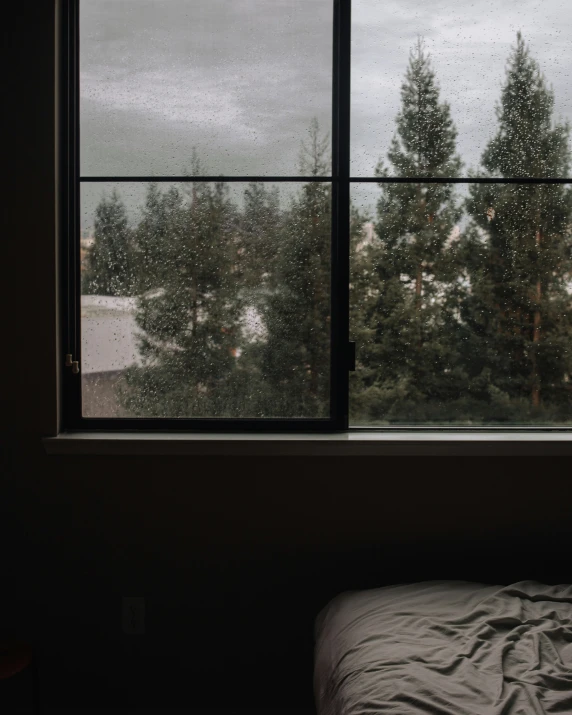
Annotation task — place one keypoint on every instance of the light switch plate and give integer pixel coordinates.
(133, 615)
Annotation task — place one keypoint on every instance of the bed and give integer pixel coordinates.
(445, 647)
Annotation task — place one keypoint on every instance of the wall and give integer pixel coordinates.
(234, 557)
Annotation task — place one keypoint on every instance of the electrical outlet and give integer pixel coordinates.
(133, 615)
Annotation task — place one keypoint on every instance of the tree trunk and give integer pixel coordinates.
(535, 340)
(317, 297)
(418, 292)
(418, 287)
(535, 394)
(419, 274)
(194, 306)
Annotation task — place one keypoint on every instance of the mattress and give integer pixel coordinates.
(443, 647)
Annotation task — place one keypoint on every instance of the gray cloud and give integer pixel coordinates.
(469, 43)
(241, 79)
(238, 80)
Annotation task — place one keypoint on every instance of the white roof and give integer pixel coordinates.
(108, 333)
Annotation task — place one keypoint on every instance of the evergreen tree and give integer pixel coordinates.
(260, 229)
(260, 225)
(295, 359)
(408, 368)
(364, 295)
(518, 255)
(152, 239)
(190, 312)
(110, 261)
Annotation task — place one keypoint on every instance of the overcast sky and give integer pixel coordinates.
(241, 79)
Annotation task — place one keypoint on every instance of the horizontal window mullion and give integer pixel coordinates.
(236, 179)
(463, 429)
(454, 180)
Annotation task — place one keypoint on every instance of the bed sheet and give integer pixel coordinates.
(442, 647)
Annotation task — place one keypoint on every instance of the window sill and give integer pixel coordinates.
(358, 443)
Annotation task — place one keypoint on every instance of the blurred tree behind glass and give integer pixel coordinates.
(190, 306)
(455, 322)
(110, 263)
(295, 358)
(518, 254)
(407, 329)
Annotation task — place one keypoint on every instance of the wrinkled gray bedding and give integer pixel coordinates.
(446, 647)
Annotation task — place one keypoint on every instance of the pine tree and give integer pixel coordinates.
(408, 367)
(296, 357)
(260, 227)
(363, 301)
(190, 313)
(152, 240)
(518, 255)
(110, 261)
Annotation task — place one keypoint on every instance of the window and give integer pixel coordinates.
(305, 215)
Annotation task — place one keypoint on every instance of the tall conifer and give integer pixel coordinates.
(296, 356)
(519, 308)
(190, 313)
(408, 368)
(110, 261)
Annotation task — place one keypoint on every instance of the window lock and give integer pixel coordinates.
(74, 364)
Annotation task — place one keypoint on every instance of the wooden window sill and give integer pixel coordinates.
(353, 443)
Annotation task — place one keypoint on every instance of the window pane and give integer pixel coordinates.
(444, 68)
(206, 300)
(461, 304)
(239, 81)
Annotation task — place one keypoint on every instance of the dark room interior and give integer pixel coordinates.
(234, 555)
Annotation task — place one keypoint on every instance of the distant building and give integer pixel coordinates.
(109, 345)
(85, 244)
(368, 235)
(453, 237)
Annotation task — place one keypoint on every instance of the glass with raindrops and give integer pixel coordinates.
(461, 304)
(481, 71)
(234, 82)
(205, 299)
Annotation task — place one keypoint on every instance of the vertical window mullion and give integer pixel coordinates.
(76, 255)
(69, 182)
(341, 209)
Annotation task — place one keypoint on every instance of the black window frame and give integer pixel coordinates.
(342, 353)
(70, 181)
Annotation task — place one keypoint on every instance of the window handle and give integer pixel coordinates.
(74, 364)
(351, 356)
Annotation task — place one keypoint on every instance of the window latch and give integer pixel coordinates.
(74, 364)
(351, 356)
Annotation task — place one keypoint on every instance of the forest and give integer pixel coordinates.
(460, 299)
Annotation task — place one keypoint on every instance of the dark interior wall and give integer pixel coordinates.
(234, 556)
